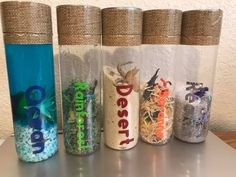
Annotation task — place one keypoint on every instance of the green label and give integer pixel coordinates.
(81, 114)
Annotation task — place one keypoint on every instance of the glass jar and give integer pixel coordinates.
(195, 75)
(29, 56)
(161, 35)
(122, 29)
(79, 29)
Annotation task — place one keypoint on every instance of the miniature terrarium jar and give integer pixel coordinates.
(79, 30)
(29, 55)
(122, 30)
(161, 35)
(195, 76)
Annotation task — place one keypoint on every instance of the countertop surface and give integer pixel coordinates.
(212, 158)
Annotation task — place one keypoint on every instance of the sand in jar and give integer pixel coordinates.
(122, 29)
(121, 92)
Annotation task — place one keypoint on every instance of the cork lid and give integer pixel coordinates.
(122, 26)
(201, 27)
(79, 25)
(162, 26)
(26, 22)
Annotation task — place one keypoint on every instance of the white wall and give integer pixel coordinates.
(224, 107)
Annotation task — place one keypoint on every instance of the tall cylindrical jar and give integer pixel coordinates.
(79, 30)
(122, 30)
(29, 54)
(195, 76)
(161, 35)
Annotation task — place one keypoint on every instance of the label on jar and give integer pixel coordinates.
(34, 116)
(34, 96)
(123, 112)
(81, 114)
(121, 107)
(81, 125)
(192, 112)
(157, 108)
(194, 90)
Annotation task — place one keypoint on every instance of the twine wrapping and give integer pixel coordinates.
(122, 26)
(79, 25)
(201, 27)
(162, 26)
(26, 23)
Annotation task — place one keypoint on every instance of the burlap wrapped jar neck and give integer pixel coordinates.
(121, 26)
(26, 23)
(79, 25)
(162, 26)
(201, 27)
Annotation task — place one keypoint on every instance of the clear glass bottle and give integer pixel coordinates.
(195, 74)
(161, 35)
(29, 56)
(122, 30)
(79, 29)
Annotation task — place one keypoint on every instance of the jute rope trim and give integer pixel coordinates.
(148, 39)
(79, 25)
(201, 27)
(121, 40)
(13, 38)
(75, 39)
(200, 40)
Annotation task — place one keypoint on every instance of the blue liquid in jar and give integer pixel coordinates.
(32, 90)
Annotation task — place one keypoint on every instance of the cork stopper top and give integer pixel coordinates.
(79, 25)
(162, 26)
(122, 26)
(201, 27)
(26, 22)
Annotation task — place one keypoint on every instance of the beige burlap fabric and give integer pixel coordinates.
(201, 27)
(26, 22)
(121, 26)
(162, 26)
(79, 25)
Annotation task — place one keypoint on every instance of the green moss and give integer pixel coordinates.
(91, 121)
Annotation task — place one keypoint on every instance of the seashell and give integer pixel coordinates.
(130, 76)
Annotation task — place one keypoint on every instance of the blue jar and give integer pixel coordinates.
(30, 69)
